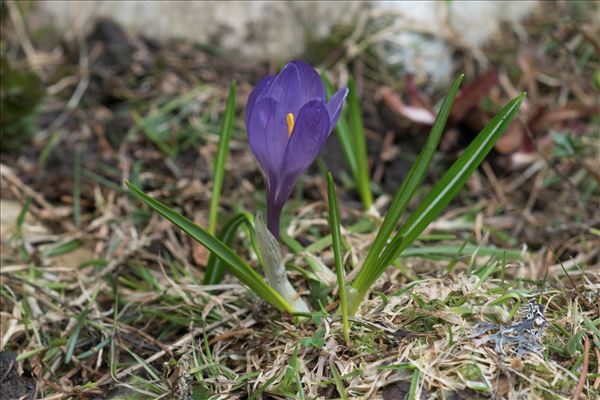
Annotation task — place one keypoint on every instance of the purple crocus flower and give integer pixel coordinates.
(288, 121)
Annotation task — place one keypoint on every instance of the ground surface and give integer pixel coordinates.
(101, 298)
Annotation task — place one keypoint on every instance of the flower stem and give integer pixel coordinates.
(273, 217)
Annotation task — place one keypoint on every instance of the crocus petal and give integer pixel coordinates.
(260, 88)
(334, 107)
(295, 85)
(311, 85)
(267, 134)
(308, 138)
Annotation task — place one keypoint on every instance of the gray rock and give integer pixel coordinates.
(278, 30)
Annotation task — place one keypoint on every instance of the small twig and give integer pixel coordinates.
(19, 25)
(8, 370)
(581, 258)
(232, 333)
(584, 369)
(562, 266)
(489, 173)
(7, 173)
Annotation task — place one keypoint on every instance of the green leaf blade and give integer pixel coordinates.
(232, 261)
(457, 175)
(77, 187)
(357, 129)
(350, 132)
(441, 194)
(221, 159)
(214, 267)
(413, 179)
(334, 224)
(344, 136)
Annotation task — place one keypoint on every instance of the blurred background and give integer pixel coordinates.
(97, 92)
(98, 75)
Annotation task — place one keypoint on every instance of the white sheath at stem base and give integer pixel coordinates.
(275, 271)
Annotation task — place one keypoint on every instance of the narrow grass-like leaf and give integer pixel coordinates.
(388, 256)
(23, 214)
(351, 134)
(113, 355)
(94, 350)
(214, 267)
(339, 383)
(361, 226)
(232, 261)
(594, 330)
(47, 150)
(157, 124)
(454, 259)
(63, 248)
(221, 159)
(413, 179)
(458, 251)
(102, 180)
(486, 271)
(455, 178)
(153, 373)
(75, 336)
(359, 146)
(146, 126)
(77, 187)
(414, 382)
(25, 355)
(81, 318)
(513, 297)
(334, 225)
(344, 136)
(258, 392)
(440, 195)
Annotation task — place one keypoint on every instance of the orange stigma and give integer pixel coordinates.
(290, 123)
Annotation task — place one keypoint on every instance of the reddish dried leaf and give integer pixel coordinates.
(568, 112)
(415, 96)
(419, 115)
(470, 96)
(512, 140)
